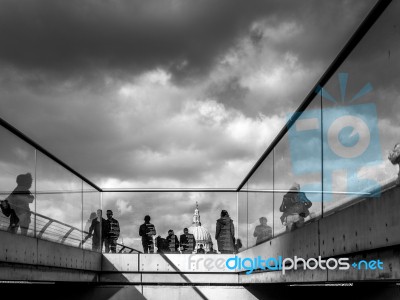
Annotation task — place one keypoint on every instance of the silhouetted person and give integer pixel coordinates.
(112, 233)
(187, 241)
(201, 250)
(93, 215)
(19, 201)
(225, 233)
(394, 157)
(173, 243)
(147, 231)
(263, 232)
(97, 231)
(295, 207)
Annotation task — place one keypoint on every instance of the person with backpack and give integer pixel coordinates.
(294, 207)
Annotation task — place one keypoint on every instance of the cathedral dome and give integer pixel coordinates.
(201, 234)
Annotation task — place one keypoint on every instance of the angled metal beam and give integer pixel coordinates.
(28, 140)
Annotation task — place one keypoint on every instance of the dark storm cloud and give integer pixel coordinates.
(70, 37)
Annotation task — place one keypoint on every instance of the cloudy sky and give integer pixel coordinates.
(166, 93)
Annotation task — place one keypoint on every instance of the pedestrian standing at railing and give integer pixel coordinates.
(147, 231)
(262, 232)
(187, 242)
(173, 243)
(112, 233)
(294, 207)
(98, 231)
(93, 215)
(225, 233)
(19, 201)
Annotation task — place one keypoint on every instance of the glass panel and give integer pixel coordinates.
(59, 203)
(91, 203)
(17, 159)
(361, 115)
(169, 210)
(261, 203)
(297, 164)
(243, 230)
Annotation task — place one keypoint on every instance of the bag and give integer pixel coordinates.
(9, 212)
(394, 155)
(5, 208)
(295, 203)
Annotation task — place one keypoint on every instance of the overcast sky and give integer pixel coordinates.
(165, 93)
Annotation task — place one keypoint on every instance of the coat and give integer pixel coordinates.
(173, 243)
(295, 203)
(225, 234)
(263, 233)
(187, 242)
(113, 229)
(146, 231)
(98, 230)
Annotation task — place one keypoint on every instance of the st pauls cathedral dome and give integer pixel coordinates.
(201, 234)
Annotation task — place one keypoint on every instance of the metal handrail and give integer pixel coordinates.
(71, 229)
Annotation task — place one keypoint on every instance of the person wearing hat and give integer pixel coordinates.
(112, 233)
(225, 233)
